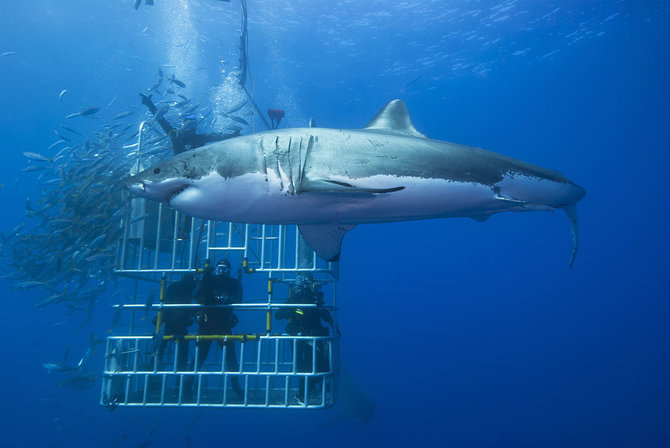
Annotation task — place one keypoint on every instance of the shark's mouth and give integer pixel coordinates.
(177, 192)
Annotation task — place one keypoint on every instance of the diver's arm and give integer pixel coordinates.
(328, 318)
(146, 100)
(167, 127)
(286, 312)
(238, 294)
(203, 293)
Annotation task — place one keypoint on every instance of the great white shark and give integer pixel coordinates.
(329, 180)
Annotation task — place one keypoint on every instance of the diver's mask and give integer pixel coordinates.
(223, 269)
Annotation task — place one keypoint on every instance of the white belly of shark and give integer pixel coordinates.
(327, 181)
(251, 198)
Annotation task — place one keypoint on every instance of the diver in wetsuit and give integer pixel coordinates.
(306, 321)
(219, 288)
(177, 320)
(187, 136)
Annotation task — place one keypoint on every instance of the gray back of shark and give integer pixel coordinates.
(328, 180)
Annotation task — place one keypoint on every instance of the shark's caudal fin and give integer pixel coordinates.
(394, 118)
(325, 239)
(571, 212)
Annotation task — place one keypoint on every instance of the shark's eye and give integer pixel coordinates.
(157, 170)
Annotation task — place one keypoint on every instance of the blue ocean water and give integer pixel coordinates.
(463, 333)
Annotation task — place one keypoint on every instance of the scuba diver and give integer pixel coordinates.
(219, 288)
(187, 136)
(306, 321)
(177, 320)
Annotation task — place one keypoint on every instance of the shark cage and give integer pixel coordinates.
(262, 362)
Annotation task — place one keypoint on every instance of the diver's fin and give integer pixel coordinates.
(394, 118)
(325, 239)
(335, 186)
(312, 123)
(571, 212)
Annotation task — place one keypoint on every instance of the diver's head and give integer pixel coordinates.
(298, 290)
(190, 123)
(304, 278)
(223, 267)
(305, 285)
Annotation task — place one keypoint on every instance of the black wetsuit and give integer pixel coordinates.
(307, 322)
(190, 139)
(187, 138)
(218, 290)
(177, 321)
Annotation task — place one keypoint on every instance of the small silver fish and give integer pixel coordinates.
(97, 240)
(36, 156)
(70, 129)
(85, 113)
(58, 367)
(237, 107)
(56, 143)
(28, 284)
(161, 112)
(30, 168)
(239, 120)
(174, 80)
(61, 136)
(78, 382)
(123, 115)
(139, 218)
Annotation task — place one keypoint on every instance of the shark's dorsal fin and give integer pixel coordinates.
(394, 118)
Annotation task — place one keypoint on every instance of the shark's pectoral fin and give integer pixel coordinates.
(500, 197)
(571, 212)
(325, 239)
(480, 218)
(335, 186)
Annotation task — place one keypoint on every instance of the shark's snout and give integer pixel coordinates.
(135, 185)
(143, 188)
(163, 190)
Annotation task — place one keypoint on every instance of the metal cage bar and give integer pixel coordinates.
(152, 369)
(168, 386)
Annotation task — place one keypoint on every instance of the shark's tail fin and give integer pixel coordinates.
(571, 212)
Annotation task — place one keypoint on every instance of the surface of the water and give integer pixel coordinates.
(464, 333)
